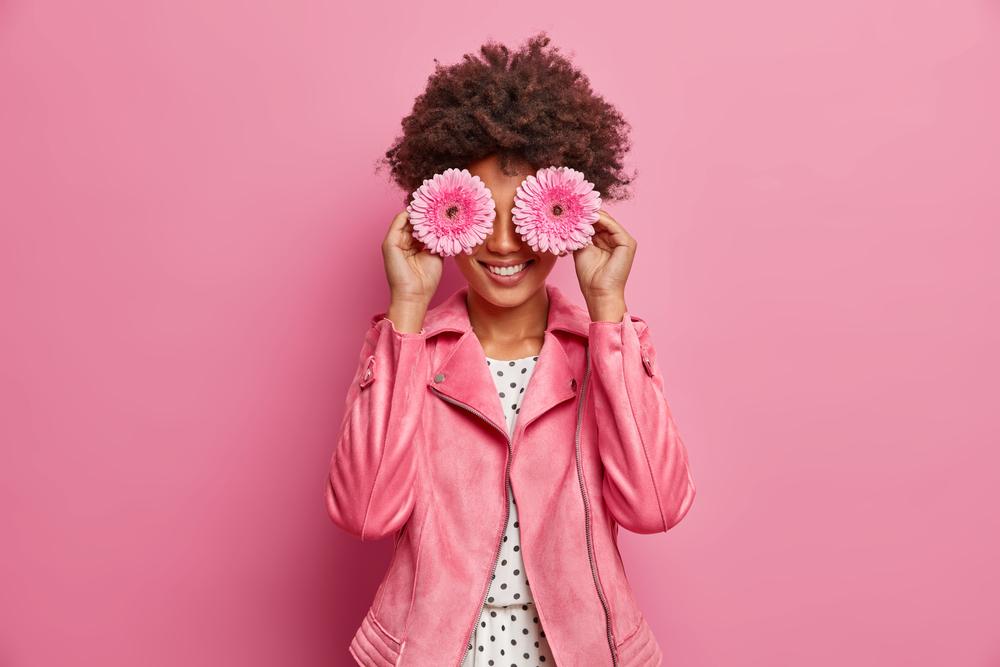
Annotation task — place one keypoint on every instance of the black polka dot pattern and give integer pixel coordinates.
(509, 631)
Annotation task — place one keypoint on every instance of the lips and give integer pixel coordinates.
(506, 269)
(505, 276)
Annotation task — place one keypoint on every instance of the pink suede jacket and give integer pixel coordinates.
(423, 455)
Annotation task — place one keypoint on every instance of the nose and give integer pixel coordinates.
(504, 239)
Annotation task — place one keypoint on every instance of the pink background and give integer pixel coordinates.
(190, 253)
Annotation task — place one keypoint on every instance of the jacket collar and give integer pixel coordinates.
(452, 314)
(463, 376)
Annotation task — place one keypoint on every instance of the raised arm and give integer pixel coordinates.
(373, 469)
(647, 482)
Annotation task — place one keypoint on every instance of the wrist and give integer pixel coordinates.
(406, 316)
(607, 309)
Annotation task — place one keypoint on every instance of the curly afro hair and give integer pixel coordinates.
(529, 106)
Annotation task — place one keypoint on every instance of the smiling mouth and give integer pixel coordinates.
(507, 270)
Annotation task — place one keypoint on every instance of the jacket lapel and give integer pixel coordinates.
(552, 382)
(464, 377)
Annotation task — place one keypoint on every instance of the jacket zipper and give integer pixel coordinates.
(506, 516)
(586, 510)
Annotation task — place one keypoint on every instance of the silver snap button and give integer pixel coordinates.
(648, 365)
(369, 375)
(439, 377)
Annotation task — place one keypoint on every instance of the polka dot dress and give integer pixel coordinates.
(509, 631)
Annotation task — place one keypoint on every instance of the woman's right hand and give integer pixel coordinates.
(413, 272)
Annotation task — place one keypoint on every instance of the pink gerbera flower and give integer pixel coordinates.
(452, 212)
(555, 209)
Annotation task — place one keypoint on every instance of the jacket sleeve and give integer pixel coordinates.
(647, 482)
(370, 491)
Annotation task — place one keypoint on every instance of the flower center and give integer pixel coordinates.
(557, 209)
(451, 211)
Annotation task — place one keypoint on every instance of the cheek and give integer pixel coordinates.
(547, 261)
(466, 264)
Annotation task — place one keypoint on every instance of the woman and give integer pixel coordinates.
(503, 436)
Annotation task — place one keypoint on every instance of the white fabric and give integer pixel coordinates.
(509, 629)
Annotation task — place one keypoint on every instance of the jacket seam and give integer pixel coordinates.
(381, 458)
(642, 441)
(380, 593)
(420, 550)
(371, 493)
(381, 627)
(631, 633)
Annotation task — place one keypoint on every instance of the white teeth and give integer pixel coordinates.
(506, 270)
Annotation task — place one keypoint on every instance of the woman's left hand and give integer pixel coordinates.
(602, 268)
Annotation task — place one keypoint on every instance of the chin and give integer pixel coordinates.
(510, 296)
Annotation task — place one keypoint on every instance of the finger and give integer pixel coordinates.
(603, 242)
(401, 219)
(605, 221)
(409, 242)
(611, 229)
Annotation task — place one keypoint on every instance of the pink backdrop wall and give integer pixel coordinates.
(190, 252)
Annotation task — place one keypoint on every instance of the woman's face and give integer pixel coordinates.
(504, 246)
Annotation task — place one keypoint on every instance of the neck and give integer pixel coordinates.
(509, 331)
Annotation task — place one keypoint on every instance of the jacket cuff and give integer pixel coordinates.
(378, 318)
(624, 318)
